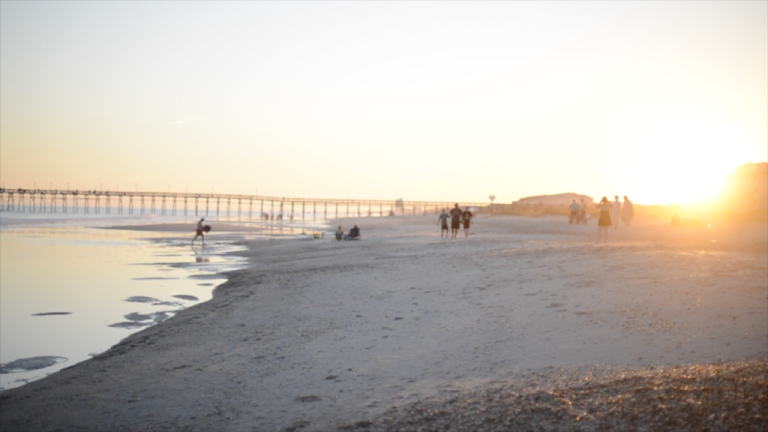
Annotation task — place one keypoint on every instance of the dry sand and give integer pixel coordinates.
(401, 329)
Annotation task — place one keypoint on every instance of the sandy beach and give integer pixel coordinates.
(404, 330)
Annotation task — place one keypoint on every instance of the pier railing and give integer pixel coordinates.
(187, 204)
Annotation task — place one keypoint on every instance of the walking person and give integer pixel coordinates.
(583, 211)
(199, 232)
(466, 218)
(442, 220)
(616, 212)
(455, 220)
(574, 213)
(605, 218)
(627, 211)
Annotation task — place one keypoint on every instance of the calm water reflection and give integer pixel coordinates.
(90, 272)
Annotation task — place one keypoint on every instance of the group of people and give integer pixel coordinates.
(457, 218)
(611, 213)
(272, 216)
(353, 234)
(578, 212)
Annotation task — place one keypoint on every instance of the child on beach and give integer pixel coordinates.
(442, 220)
(199, 232)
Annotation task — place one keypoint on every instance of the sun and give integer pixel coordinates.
(683, 160)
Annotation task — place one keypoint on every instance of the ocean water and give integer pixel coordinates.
(70, 289)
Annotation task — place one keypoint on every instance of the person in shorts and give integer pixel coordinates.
(574, 212)
(466, 217)
(442, 220)
(455, 220)
(199, 232)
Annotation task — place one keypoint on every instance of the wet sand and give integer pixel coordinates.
(317, 335)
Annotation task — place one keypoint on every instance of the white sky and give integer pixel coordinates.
(455, 101)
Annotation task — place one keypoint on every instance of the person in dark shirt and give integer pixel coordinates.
(455, 220)
(466, 218)
(354, 233)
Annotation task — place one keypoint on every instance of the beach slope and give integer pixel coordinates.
(318, 335)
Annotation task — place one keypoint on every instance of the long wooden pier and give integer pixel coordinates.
(197, 204)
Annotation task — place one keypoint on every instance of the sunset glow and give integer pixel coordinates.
(659, 101)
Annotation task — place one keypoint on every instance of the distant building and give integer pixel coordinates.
(554, 200)
(747, 189)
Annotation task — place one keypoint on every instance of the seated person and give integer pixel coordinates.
(340, 234)
(354, 233)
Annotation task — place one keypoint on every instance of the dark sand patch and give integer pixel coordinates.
(155, 317)
(168, 303)
(32, 363)
(141, 299)
(206, 276)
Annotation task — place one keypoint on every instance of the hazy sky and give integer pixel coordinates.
(455, 101)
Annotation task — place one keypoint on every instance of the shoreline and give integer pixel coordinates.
(73, 292)
(318, 334)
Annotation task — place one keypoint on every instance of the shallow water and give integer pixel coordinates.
(62, 287)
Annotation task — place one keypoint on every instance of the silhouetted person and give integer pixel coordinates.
(627, 211)
(354, 233)
(616, 212)
(199, 232)
(455, 220)
(466, 218)
(605, 218)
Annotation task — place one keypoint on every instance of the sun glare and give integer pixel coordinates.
(684, 160)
